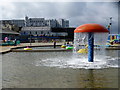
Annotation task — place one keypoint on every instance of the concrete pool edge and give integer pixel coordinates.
(14, 49)
(47, 50)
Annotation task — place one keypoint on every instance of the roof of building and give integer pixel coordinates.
(35, 28)
(5, 31)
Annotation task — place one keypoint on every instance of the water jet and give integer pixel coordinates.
(91, 35)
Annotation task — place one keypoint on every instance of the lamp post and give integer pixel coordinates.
(30, 37)
(110, 25)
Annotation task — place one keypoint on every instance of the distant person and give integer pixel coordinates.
(6, 39)
(15, 42)
(67, 42)
(54, 43)
(111, 42)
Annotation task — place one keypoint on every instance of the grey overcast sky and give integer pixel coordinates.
(76, 12)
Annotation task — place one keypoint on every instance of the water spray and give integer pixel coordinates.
(90, 30)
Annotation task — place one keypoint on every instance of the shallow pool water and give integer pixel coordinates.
(70, 59)
(75, 60)
(58, 70)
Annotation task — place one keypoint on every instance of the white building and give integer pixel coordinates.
(38, 22)
(62, 23)
(41, 22)
(38, 31)
(19, 23)
(35, 22)
(35, 30)
(51, 23)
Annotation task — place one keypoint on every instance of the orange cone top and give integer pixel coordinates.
(90, 28)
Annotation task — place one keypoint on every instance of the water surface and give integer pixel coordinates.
(59, 70)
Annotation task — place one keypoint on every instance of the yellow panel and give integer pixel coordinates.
(110, 37)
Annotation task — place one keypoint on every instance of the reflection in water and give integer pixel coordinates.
(87, 79)
(90, 79)
(103, 78)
